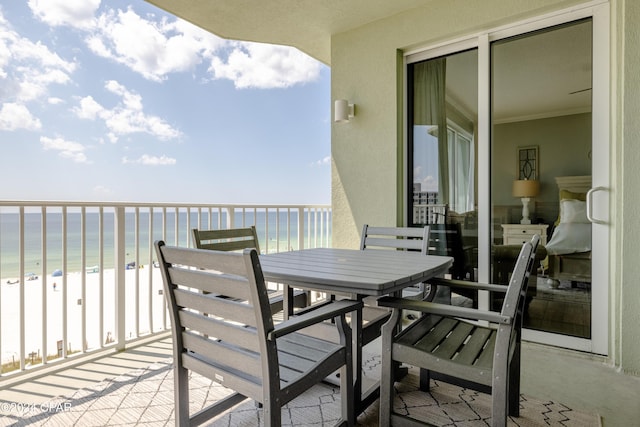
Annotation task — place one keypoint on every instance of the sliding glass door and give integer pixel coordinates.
(442, 117)
(503, 130)
(541, 86)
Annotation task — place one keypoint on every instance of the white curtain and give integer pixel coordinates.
(429, 109)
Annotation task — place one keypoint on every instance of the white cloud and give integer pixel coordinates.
(148, 160)
(155, 47)
(66, 149)
(257, 65)
(152, 48)
(102, 190)
(88, 108)
(428, 182)
(75, 13)
(17, 116)
(127, 117)
(27, 69)
(324, 161)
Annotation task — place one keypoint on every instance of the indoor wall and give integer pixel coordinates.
(557, 138)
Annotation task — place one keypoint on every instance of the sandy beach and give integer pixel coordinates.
(10, 309)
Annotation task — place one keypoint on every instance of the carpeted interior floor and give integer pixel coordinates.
(145, 397)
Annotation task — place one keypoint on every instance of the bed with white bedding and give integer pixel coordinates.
(569, 248)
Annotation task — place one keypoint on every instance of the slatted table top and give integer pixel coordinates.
(368, 272)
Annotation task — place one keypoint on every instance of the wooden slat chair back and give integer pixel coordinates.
(449, 340)
(240, 347)
(400, 238)
(391, 238)
(238, 239)
(231, 239)
(446, 239)
(406, 238)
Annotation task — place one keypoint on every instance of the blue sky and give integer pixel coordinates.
(120, 101)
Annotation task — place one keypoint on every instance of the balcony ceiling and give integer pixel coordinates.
(305, 24)
(547, 75)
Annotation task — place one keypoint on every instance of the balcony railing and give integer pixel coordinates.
(78, 277)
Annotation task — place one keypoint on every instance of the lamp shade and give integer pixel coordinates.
(526, 188)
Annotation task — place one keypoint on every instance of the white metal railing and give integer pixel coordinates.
(80, 276)
(430, 213)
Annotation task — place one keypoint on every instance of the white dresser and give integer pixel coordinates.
(517, 234)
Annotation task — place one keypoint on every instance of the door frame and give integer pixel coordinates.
(599, 11)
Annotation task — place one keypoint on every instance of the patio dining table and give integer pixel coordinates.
(355, 274)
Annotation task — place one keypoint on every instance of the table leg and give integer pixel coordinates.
(356, 327)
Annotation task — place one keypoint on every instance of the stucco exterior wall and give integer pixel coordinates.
(628, 199)
(366, 71)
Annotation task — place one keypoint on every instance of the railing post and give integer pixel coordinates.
(83, 280)
(43, 274)
(21, 284)
(120, 262)
(231, 217)
(65, 300)
(301, 228)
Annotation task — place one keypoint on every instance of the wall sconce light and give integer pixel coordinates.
(525, 189)
(343, 111)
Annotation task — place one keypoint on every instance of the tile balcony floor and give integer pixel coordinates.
(135, 387)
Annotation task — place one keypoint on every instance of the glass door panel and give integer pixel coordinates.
(442, 156)
(541, 167)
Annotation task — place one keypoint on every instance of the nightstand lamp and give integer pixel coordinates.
(525, 189)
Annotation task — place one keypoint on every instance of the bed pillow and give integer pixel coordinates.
(570, 238)
(573, 211)
(569, 195)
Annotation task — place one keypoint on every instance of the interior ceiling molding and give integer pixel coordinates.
(545, 115)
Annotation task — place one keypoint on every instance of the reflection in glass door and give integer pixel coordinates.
(529, 104)
(541, 145)
(442, 156)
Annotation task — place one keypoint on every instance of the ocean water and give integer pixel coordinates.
(274, 232)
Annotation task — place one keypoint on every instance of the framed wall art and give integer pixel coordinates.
(528, 162)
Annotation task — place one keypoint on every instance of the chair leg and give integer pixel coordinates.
(499, 396)
(425, 378)
(387, 391)
(514, 383)
(272, 414)
(346, 396)
(181, 395)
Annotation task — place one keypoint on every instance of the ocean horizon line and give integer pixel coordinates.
(274, 231)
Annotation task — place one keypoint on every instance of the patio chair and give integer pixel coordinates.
(237, 239)
(447, 240)
(389, 238)
(398, 238)
(453, 341)
(259, 360)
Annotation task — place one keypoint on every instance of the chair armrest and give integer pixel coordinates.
(472, 286)
(326, 312)
(444, 310)
(312, 307)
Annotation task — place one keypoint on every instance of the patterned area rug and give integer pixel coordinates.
(145, 397)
